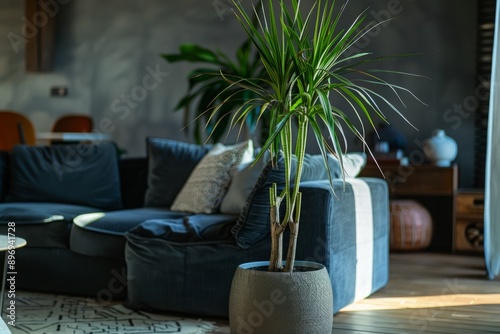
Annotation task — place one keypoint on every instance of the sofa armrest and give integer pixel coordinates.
(330, 217)
(348, 232)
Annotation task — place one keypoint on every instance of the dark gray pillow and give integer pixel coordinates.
(253, 222)
(83, 174)
(170, 163)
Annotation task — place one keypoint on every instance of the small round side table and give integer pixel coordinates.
(7, 242)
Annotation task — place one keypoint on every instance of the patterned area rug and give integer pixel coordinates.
(38, 313)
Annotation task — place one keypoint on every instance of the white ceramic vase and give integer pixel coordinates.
(440, 149)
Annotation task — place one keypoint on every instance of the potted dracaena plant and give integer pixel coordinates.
(309, 70)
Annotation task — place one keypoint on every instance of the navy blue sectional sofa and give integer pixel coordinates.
(102, 227)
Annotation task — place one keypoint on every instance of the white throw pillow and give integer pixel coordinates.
(209, 181)
(314, 166)
(242, 183)
(354, 163)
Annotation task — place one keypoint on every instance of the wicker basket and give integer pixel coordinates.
(411, 226)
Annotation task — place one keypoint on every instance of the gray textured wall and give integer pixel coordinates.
(106, 49)
(446, 32)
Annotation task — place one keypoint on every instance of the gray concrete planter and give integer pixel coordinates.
(263, 302)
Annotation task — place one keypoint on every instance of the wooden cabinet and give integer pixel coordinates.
(423, 180)
(434, 187)
(469, 228)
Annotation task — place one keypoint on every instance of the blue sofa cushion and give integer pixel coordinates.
(189, 229)
(41, 224)
(212, 227)
(73, 174)
(170, 163)
(101, 234)
(190, 277)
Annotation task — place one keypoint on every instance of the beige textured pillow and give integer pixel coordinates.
(209, 181)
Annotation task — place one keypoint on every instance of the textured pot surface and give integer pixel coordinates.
(263, 302)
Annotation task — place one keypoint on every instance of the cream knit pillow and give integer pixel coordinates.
(209, 181)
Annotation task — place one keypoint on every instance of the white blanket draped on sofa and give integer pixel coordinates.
(492, 186)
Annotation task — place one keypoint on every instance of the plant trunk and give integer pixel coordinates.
(294, 232)
(276, 260)
(292, 245)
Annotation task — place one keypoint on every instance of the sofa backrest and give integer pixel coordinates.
(170, 163)
(82, 174)
(133, 179)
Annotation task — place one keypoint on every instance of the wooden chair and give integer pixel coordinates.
(15, 128)
(72, 123)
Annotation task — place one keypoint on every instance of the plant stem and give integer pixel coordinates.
(294, 216)
(276, 259)
(294, 232)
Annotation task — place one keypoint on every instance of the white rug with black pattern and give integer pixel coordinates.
(38, 313)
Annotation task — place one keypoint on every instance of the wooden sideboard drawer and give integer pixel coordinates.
(421, 180)
(470, 203)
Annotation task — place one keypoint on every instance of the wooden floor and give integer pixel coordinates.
(427, 293)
